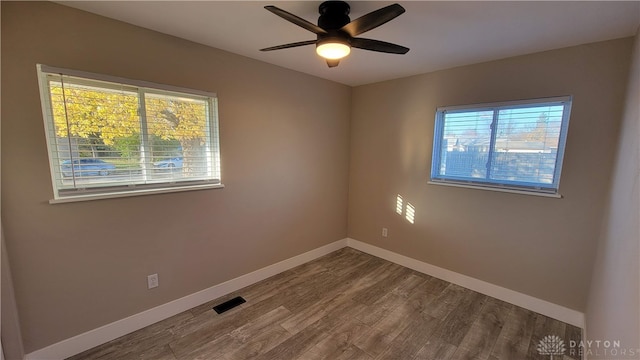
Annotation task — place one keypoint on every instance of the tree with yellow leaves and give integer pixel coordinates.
(110, 117)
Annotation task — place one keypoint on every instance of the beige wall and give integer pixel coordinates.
(543, 247)
(613, 311)
(284, 142)
(10, 330)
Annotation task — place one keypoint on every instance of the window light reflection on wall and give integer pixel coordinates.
(408, 209)
(410, 213)
(399, 204)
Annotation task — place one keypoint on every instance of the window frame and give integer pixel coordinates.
(123, 189)
(520, 187)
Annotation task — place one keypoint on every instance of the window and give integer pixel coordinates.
(116, 137)
(513, 146)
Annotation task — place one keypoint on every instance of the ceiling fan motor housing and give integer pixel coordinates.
(333, 15)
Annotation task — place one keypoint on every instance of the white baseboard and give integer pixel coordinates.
(114, 330)
(103, 334)
(543, 307)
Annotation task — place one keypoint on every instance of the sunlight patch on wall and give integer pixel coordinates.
(410, 213)
(399, 204)
(409, 210)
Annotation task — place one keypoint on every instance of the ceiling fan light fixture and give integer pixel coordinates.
(337, 34)
(333, 48)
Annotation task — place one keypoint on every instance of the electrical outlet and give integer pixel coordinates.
(385, 232)
(152, 281)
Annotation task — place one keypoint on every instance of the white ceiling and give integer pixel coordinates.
(440, 34)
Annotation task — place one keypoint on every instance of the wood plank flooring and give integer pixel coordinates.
(346, 305)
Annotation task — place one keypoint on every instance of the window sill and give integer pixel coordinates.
(120, 194)
(490, 188)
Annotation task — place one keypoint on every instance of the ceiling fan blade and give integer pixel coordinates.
(373, 19)
(377, 45)
(291, 45)
(296, 20)
(333, 63)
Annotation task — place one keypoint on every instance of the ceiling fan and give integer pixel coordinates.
(336, 33)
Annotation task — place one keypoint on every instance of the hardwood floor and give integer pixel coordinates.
(346, 305)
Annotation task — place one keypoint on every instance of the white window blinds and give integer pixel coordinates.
(515, 145)
(113, 136)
